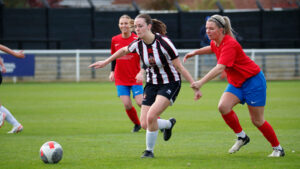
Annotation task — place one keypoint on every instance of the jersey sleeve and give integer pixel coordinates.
(170, 48)
(112, 46)
(228, 55)
(133, 46)
(112, 51)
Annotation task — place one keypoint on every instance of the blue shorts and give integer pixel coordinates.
(125, 90)
(253, 90)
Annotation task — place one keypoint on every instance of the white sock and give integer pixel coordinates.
(151, 139)
(277, 147)
(242, 134)
(9, 117)
(164, 124)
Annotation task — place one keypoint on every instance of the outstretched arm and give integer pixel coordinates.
(214, 72)
(11, 52)
(100, 64)
(201, 51)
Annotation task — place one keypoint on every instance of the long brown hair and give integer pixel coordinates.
(157, 25)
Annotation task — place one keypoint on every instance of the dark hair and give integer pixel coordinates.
(157, 25)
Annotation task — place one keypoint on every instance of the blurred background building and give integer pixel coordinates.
(90, 24)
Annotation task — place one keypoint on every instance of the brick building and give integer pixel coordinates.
(238, 4)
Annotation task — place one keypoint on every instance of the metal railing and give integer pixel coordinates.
(72, 65)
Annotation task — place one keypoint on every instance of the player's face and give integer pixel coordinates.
(124, 25)
(141, 27)
(213, 31)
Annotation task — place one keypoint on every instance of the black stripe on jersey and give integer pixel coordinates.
(169, 48)
(163, 59)
(141, 51)
(131, 45)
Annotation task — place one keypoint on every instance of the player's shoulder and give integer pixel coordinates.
(116, 37)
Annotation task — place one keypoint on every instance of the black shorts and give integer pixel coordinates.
(170, 91)
(0, 77)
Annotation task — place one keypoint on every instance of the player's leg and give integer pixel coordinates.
(160, 104)
(227, 102)
(124, 94)
(137, 92)
(2, 118)
(256, 100)
(257, 118)
(17, 127)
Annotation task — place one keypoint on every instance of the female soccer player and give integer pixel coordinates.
(163, 76)
(125, 71)
(246, 82)
(5, 113)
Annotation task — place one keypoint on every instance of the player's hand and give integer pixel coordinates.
(196, 85)
(197, 95)
(20, 54)
(112, 76)
(188, 55)
(139, 77)
(3, 69)
(97, 65)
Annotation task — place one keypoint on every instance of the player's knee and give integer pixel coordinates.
(224, 108)
(257, 122)
(127, 106)
(151, 119)
(139, 103)
(144, 125)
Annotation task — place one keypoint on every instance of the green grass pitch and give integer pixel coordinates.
(89, 121)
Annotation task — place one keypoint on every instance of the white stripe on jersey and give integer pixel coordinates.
(171, 45)
(145, 55)
(174, 71)
(159, 63)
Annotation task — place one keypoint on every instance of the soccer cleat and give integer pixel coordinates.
(239, 143)
(147, 154)
(2, 118)
(136, 128)
(16, 129)
(277, 153)
(168, 132)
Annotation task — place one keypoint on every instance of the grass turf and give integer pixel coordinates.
(88, 120)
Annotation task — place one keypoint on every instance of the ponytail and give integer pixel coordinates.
(223, 22)
(158, 27)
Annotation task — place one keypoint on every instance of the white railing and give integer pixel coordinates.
(72, 65)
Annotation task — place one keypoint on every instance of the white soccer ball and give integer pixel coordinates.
(51, 152)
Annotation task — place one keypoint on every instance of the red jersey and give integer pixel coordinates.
(128, 66)
(239, 67)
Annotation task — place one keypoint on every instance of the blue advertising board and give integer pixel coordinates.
(18, 67)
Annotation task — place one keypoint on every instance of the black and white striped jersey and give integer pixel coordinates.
(158, 58)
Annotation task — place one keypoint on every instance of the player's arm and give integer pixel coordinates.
(112, 71)
(2, 66)
(140, 76)
(214, 72)
(100, 64)
(181, 69)
(11, 52)
(201, 51)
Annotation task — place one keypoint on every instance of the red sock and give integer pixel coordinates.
(132, 114)
(267, 130)
(232, 121)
